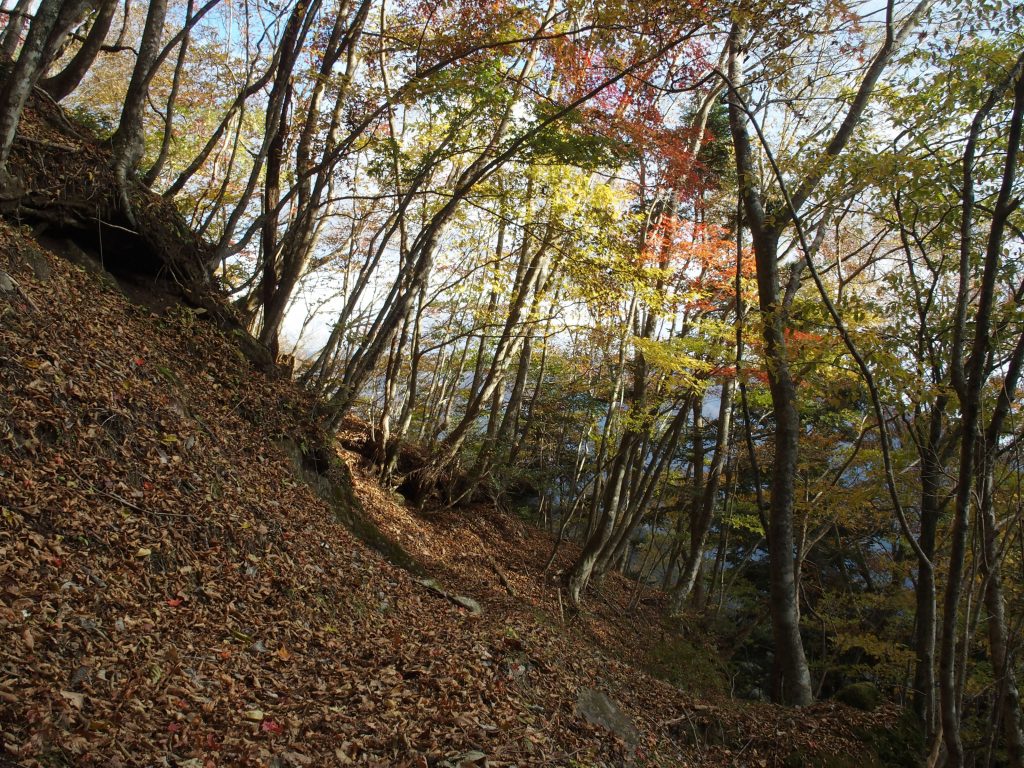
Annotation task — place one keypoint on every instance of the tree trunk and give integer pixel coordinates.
(17, 18)
(791, 669)
(706, 504)
(168, 133)
(128, 140)
(579, 575)
(63, 84)
(998, 638)
(924, 631)
(969, 379)
(22, 78)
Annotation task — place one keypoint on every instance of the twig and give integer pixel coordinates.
(693, 728)
(502, 578)
(114, 226)
(124, 501)
(738, 754)
(48, 144)
(60, 111)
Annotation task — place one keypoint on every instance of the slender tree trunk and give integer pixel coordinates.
(128, 140)
(531, 283)
(791, 670)
(790, 661)
(17, 19)
(706, 504)
(644, 483)
(925, 702)
(22, 78)
(168, 134)
(405, 419)
(969, 378)
(63, 84)
(1008, 695)
(313, 178)
(579, 575)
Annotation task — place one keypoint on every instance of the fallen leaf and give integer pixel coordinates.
(76, 699)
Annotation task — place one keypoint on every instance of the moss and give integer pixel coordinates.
(863, 696)
(687, 665)
(900, 746)
(800, 759)
(330, 478)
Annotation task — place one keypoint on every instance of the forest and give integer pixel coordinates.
(726, 297)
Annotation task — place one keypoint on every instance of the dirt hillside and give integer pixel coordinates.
(177, 587)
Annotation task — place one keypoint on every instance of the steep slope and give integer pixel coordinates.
(172, 591)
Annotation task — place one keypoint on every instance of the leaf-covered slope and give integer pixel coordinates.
(173, 593)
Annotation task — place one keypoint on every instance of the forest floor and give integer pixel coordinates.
(174, 593)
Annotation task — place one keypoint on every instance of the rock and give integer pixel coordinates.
(40, 265)
(471, 759)
(597, 709)
(469, 603)
(433, 585)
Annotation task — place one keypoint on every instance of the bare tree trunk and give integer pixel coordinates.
(643, 484)
(128, 140)
(969, 379)
(706, 504)
(17, 18)
(520, 435)
(165, 143)
(313, 178)
(791, 668)
(533, 272)
(581, 571)
(61, 85)
(925, 702)
(1008, 695)
(405, 419)
(30, 65)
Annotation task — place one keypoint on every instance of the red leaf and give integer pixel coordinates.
(269, 726)
(174, 602)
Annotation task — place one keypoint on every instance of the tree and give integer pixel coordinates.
(767, 224)
(50, 25)
(128, 140)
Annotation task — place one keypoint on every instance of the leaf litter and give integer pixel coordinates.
(172, 594)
